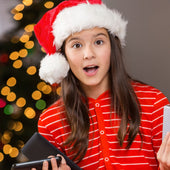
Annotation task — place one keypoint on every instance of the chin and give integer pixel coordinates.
(91, 84)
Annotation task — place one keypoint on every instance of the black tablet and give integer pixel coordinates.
(34, 164)
(38, 148)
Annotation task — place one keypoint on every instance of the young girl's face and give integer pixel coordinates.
(88, 53)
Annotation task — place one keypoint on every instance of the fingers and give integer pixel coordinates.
(63, 164)
(163, 155)
(163, 146)
(45, 165)
(63, 161)
(54, 164)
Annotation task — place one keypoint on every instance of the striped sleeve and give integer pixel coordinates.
(157, 119)
(43, 129)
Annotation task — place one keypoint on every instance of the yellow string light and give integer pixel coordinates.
(7, 149)
(27, 2)
(58, 91)
(46, 89)
(31, 70)
(11, 82)
(14, 152)
(1, 156)
(11, 97)
(36, 95)
(29, 113)
(49, 4)
(18, 16)
(19, 7)
(5, 91)
(23, 53)
(14, 55)
(29, 44)
(41, 85)
(17, 64)
(29, 28)
(24, 38)
(7, 136)
(4, 141)
(13, 11)
(19, 126)
(21, 102)
(42, 49)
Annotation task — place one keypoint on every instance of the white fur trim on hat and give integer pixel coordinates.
(53, 68)
(85, 16)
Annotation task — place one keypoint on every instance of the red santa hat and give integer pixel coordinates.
(67, 18)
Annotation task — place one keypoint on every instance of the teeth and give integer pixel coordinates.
(90, 67)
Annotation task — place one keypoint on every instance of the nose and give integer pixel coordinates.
(88, 52)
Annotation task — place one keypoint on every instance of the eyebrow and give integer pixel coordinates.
(101, 34)
(72, 39)
(77, 38)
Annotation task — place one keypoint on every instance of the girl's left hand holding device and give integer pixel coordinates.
(163, 154)
(63, 165)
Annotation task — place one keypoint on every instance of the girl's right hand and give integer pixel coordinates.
(163, 155)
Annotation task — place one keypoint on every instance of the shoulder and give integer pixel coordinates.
(148, 92)
(145, 89)
(141, 87)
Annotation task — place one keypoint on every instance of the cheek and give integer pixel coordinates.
(70, 56)
(74, 62)
(105, 55)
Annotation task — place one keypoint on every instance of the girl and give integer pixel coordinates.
(104, 119)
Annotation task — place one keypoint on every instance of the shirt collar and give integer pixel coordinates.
(103, 95)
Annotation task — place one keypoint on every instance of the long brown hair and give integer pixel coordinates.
(123, 97)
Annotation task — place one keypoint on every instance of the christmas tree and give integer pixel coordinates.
(23, 96)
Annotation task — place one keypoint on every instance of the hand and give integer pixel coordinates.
(163, 154)
(63, 165)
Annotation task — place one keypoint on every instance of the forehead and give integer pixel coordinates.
(92, 31)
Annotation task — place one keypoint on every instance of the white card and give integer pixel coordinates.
(166, 120)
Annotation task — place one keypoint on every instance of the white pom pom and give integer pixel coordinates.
(53, 68)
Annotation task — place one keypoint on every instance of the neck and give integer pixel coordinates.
(95, 91)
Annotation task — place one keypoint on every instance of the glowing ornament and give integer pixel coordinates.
(8, 110)
(31, 70)
(5, 91)
(14, 55)
(49, 4)
(40, 104)
(11, 82)
(3, 58)
(17, 64)
(1, 156)
(29, 113)
(2, 103)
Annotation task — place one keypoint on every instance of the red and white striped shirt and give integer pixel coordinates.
(103, 150)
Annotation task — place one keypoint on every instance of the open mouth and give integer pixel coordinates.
(90, 69)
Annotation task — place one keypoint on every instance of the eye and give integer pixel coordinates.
(77, 45)
(99, 42)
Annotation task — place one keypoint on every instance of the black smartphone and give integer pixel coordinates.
(35, 164)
